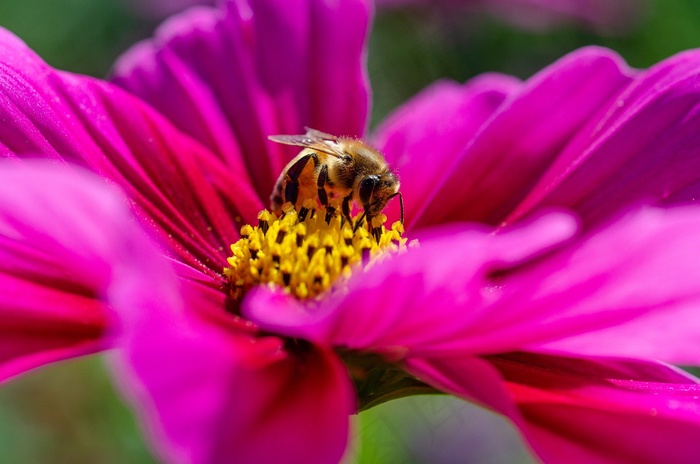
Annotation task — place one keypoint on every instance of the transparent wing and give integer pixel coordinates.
(317, 140)
(318, 135)
(297, 140)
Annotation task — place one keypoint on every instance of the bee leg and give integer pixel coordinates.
(330, 214)
(358, 224)
(377, 233)
(346, 209)
(321, 184)
(322, 195)
(291, 190)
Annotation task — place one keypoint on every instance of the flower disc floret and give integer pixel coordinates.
(304, 254)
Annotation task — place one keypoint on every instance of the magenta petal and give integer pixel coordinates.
(643, 148)
(67, 242)
(582, 410)
(602, 411)
(522, 138)
(215, 394)
(179, 187)
(432, 130)
(46, 320)
(232, 77)
(423, 301)
(631, 289)
(280, 313)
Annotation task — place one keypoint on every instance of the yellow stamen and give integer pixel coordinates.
(306, 257)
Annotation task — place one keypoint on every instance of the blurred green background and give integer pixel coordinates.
(70, 413)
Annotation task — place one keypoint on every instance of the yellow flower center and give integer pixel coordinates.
(306, 255)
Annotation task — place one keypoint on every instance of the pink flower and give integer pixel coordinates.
(556, 320)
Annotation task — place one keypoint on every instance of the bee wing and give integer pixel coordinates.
(312, 136)
(318, 135)
(312, 139)
(296, 140)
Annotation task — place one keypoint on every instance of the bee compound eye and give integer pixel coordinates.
(367, 186)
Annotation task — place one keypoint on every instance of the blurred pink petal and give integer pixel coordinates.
(215, 394)
(67, 243)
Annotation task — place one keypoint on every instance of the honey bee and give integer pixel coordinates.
(343, 170)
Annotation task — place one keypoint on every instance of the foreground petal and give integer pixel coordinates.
(527, 133)
(231, 77)
(67, 242)
(642, 148)
(178, 187)
(423, 301)
(213, 393)
(577, 410)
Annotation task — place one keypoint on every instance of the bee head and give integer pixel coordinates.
(375, 191)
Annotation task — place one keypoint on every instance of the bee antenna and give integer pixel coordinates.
(400, 203)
